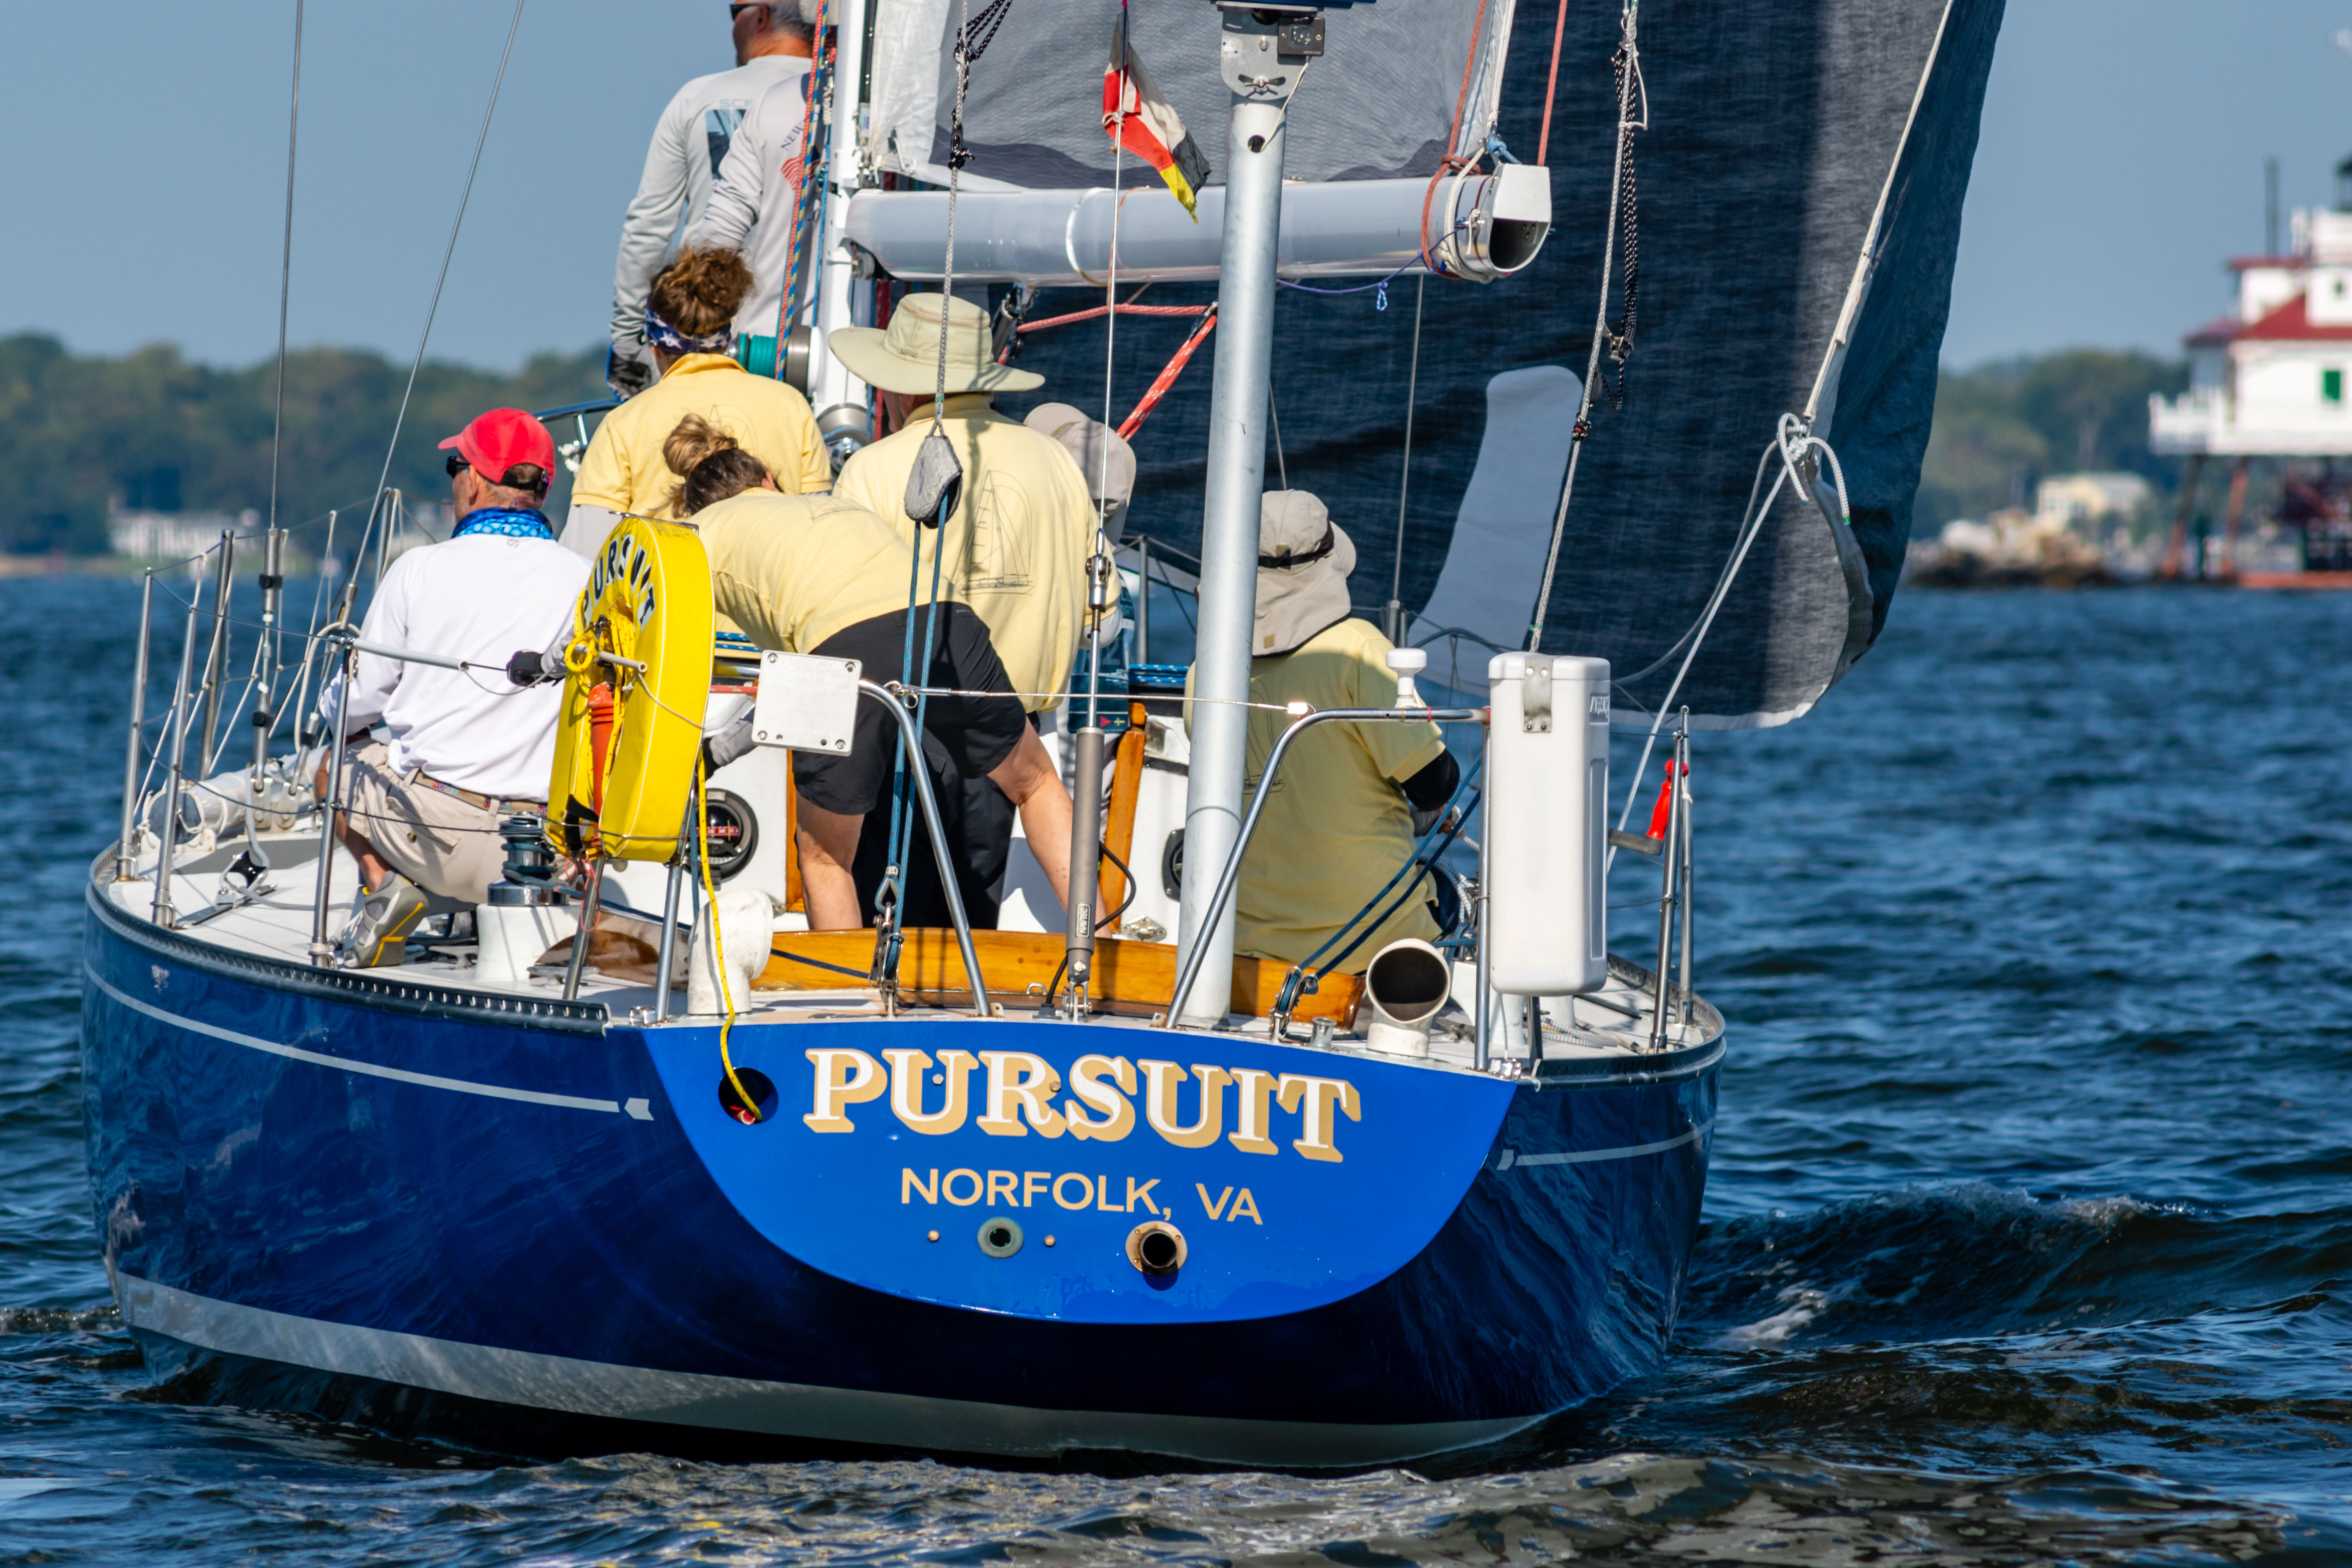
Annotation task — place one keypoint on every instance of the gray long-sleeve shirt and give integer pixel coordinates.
(750, 206)
(690, 142)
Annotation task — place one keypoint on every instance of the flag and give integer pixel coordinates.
(1137, 117)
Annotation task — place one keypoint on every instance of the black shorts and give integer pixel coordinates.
(976, 732)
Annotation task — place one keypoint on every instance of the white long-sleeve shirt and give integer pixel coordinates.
(750, 205)
(690, 142)
(482, 598)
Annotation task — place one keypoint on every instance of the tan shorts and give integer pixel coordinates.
(442, 843)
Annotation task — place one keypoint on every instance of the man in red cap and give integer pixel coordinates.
(461, 748)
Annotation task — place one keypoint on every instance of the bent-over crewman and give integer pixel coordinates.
(1338, 821)
(462, 748)
(818, 575)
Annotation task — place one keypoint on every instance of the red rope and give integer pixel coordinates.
(1558, 26)
(1124, 310)
(1450, 161)
(1158, 388)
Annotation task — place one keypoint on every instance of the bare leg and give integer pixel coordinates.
(373, 872)
(1028, 779)
(828, 844)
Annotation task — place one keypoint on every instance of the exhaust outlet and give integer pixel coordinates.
(1407, 982)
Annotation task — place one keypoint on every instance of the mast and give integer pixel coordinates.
(839, 398)
(1261, 75)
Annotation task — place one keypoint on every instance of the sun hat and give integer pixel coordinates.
(1303, 563)
(494, 442)
(1110, 475)
(904, 357)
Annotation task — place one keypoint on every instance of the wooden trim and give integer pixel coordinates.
(1130, 977)
(1125, 791)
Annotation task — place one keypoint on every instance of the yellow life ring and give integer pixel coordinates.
(627, 745)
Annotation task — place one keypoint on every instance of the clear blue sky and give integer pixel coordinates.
(2121, 160)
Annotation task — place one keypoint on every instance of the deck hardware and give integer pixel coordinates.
(1156, 1247)
(932, 1236)
(1000, 1236)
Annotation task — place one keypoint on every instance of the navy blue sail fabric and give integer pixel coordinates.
(1773, 126)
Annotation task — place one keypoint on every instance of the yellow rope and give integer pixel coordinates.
(718, 947)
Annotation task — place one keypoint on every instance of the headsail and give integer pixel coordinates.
(1775, 129)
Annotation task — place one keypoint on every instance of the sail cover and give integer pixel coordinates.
(1382, 100)
(1775, 129)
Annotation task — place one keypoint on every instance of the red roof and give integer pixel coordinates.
(2289, 323)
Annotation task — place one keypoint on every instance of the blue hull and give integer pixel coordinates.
(370, 1182)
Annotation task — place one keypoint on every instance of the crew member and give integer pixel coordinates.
(755, 200)
(1103, 456)
(1338, 821)
(691, 140)
(464, 747)
(819, 574)
(687, 318)
(1018, 542)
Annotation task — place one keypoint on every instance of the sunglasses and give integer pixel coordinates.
(735, 11)
(453, 465)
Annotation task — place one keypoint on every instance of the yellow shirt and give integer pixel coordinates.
(1335, 826)
(623, 471)
(790, 570)
(1017, 543)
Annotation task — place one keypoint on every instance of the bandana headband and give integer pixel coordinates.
(660, 334)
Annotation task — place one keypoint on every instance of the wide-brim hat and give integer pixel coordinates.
(1303, 562)
(904, 357)
(1101, 452)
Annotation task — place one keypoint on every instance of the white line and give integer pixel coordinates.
(1592, 1157)
(318, 1059)
(720, 1403)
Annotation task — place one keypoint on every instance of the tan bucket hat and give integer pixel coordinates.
(1110, 476)
(1303, 563)
(905, 356)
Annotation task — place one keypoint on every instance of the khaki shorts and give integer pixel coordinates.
(442, 843)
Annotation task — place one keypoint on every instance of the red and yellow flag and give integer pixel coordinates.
(1139, 119)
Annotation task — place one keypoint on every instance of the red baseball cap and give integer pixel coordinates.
(498, 440)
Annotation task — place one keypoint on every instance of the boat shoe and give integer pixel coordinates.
(377, 936)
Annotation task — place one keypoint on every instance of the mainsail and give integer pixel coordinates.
(1776, 130)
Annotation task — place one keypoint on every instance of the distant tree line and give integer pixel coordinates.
(2002, 427)
(151, 431)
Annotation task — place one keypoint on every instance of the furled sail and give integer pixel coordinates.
(1782, 135)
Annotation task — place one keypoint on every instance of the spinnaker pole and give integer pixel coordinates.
(1260, 79)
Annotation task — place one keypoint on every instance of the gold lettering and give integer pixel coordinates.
(843, 1079)
(1102, 1197)
(908, 1070)
(911, 1183)
(1313, 1098)
(1214, 1208)
(1019, 1083)
(1244, 1204)
(1031, 1183)
(1087, 1074)
(1142, 1192)
(1161, 1081)
(1085, 1189)
(947, 1188)
(1249, 1134)
(1006, 1183)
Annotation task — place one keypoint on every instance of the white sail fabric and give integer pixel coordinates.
(1378, 104)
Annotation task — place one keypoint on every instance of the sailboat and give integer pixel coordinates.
(922, 1191)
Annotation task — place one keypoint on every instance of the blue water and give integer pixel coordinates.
(2027, 1236)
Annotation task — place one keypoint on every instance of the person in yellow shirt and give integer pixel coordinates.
(688, 325)
(1018, 539)
(1338, 820)
(820, 574)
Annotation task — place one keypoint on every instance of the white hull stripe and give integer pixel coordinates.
(639, 1109)
(1510, 1158)
(779, 1409)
